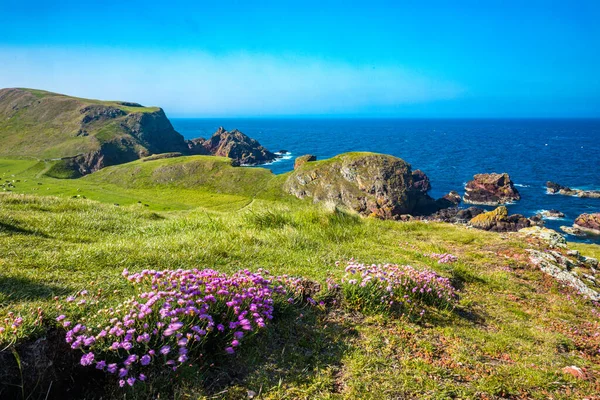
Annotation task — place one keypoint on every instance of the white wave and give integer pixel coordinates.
(281, 157)
(521, 185)
(550, 218)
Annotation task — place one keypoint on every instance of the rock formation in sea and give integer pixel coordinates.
(555, 188)
(375, 185)
(233, 144)
(498, 220)
(491, 189)
(552, 214)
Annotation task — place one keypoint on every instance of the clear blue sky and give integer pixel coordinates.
(368, 58)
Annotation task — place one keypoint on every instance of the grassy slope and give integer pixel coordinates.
(163, 184)
(512, 333)
(58, 117)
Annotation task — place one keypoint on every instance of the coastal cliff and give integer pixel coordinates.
(81, 136)
(84, 135)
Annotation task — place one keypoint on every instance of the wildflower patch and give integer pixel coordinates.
(390, 288)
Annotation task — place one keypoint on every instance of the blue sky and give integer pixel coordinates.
(368, 58)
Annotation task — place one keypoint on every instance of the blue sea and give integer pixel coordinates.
(449, 151)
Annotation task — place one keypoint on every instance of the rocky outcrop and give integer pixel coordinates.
(574, 272)
(449, 200)
(490, 189)
(420, 181)
(555, 188)
(550, 236)
(154, 132)
(454, 215)
(372, 184)
(588, 223)
(300, 161)
(235, 145)
(498, 220)
(571, 230)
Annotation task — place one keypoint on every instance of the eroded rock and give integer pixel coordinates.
(588, 223)
(498, 220)
(372, 184)
(562, 268)
(239, 147)
(491, 189)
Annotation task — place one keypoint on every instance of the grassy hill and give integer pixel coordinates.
(160, 184)
(510, 335)
(88, 134)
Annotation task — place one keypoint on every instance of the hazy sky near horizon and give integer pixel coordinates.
(277, 58)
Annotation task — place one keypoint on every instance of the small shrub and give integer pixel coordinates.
(268, 219)
(395, 289)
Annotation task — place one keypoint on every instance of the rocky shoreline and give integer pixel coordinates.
(555, 188)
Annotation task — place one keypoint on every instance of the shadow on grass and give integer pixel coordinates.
(296, 349)
(26, 289)
(16, 230)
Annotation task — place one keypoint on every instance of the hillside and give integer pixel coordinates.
(510, 335)
(86, 134)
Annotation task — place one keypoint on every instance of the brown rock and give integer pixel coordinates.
(589, 223)
(420, 181)
(579, 373)
(555, 188)
(491, 189)
(239, 147)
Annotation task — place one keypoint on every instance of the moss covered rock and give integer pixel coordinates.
(372, 184)
(498, 220)
(300, 161)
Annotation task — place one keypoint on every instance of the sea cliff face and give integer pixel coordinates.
(82, 136)
(85, 135)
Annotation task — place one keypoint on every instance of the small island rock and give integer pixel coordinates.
(491, 189)
(555, 188)
(552, 214)
(242, 149)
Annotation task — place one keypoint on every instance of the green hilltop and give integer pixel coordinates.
(86, 134)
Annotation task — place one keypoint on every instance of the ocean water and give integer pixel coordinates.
(450, 152)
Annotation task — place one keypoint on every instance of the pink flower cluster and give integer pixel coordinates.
(388, 286)
(12, 322)
(172, 318)
(444, 258)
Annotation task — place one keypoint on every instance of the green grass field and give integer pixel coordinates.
(513, 331)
